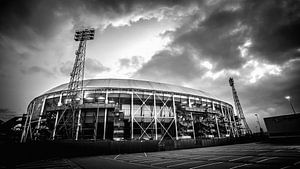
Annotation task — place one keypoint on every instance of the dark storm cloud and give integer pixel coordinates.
(167, 64)
(43, 17)
(271, 26)
(274, 29)
(212, 38)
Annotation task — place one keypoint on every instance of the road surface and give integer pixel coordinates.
(239, 156)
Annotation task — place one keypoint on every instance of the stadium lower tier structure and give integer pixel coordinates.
(123, 109)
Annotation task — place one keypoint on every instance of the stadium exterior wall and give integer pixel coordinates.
(123, 109)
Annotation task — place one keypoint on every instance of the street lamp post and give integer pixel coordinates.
(289, 99)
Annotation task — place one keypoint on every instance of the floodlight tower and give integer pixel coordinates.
(238, 107)
(74, 94)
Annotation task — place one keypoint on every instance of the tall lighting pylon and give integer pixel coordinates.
(74, 94)
(238, 107)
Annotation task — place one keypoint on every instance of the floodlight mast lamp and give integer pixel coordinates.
(289, 99)
(75, 86)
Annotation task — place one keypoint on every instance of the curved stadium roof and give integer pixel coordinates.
(92, 84)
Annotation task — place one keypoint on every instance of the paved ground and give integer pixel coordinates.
(240, 156)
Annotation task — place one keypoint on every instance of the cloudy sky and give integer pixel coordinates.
(197, 44)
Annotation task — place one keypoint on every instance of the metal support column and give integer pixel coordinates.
(96, 123)
(192, 118)
(155, 115)
(40, 117)
(105, 116)
(175, 116)
(131, 113)
(29, 123)
(55, 125)
(25, 125)
(216, 118)
(78, 124)
(60, 100)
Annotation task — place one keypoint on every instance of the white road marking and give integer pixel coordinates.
(262, 154)
(271, 158)
(206, 165)
(189, 162)
(218, 157)
(285, 167)
(152, 160)
(145, 154)
(296, 163)
(239, 158)
(116, 156)
(164, 162)
(239, 166)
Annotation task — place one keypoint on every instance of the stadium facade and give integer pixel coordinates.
(124, 109)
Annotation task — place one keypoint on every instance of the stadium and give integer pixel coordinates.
(126, 109)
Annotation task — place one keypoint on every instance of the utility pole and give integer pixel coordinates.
(66, 122)
(238, 107)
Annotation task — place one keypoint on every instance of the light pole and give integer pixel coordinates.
(260, 129)
(289, 99)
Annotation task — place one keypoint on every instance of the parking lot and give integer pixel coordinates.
(241, 156)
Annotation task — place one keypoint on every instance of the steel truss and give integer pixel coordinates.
(155, 119)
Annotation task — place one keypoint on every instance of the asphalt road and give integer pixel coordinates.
(239, 156)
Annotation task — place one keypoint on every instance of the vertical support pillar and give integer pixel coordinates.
(155, 115)
(40, 116)
(193, 126)
(96, 123)
(132, 114)
(78, 124)
(189, 101)
(105, 116)
(216, 118)
(26, 121)
(60, 100)
(55, 125)
(222, 110)
(175, 117)
(29, 122)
